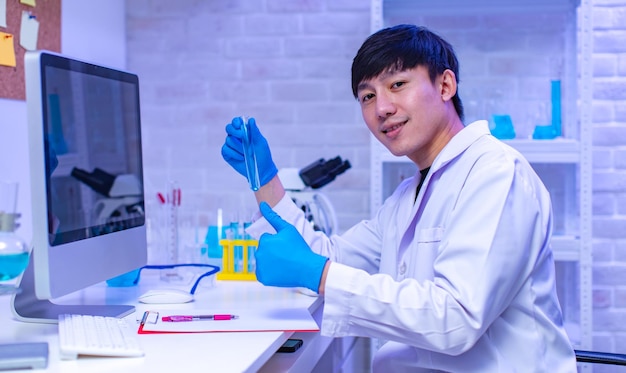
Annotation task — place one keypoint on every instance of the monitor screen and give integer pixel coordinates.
(92, 143)
(86, 173)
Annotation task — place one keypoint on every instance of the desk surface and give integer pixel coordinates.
(221, 352)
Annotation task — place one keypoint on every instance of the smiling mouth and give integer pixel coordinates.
(393, 128)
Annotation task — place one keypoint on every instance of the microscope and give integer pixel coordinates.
(301, 186)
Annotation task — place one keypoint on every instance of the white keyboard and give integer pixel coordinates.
(96, 336)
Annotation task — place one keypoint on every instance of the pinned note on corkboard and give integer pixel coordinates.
(29, 24)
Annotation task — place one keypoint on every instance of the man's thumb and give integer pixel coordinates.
(272, 217)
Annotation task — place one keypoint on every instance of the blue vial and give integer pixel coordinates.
(252, 169)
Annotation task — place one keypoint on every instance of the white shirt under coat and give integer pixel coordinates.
(462, 279)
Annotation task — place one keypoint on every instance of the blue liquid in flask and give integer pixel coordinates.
(12, 265)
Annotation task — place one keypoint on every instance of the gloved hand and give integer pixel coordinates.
(232, 150)
(284, 259)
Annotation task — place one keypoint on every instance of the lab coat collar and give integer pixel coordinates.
(459, 143)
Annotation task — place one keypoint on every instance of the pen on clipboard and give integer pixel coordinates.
(181, 318)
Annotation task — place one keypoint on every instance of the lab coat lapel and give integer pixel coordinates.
(408, 234)
(457, 145)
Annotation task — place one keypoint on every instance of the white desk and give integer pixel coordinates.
(204, 352)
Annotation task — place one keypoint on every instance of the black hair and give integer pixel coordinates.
(404, 47)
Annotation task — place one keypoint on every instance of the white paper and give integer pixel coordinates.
(3, 13)
(29, 31)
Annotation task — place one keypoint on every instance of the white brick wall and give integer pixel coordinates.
(288, 64)
(609, 177)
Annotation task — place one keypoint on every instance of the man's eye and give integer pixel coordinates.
(397, 84)
(367, 97)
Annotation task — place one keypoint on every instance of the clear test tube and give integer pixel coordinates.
(237, 249)
(251, 249)
(249, 155)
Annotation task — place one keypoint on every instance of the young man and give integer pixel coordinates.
(455, 270)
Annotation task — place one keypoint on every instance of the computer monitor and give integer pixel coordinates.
(85, 153)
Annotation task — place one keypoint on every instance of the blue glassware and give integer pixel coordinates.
(252, 169)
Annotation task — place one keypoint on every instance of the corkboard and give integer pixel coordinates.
(48, 14)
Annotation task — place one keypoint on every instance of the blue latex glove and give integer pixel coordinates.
(232, 150)
(284, 259)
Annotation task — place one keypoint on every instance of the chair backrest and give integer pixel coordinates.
(598, 357)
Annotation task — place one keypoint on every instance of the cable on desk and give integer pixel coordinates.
(214, 269)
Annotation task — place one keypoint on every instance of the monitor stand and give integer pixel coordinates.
(27, 307)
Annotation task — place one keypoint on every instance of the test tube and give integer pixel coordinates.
(232, 233)
(251, 249)
(252, 169)
(237, 249)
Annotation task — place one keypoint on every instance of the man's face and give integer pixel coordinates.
(406, 112)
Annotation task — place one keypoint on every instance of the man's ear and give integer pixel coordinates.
(448, 85)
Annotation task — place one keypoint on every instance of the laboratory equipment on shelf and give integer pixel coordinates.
(301, 186)
(503, 128)
(500, 124)
(553, 129)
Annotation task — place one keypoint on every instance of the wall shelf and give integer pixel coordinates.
(464, 7)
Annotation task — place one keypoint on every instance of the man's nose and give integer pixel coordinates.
(385, 105)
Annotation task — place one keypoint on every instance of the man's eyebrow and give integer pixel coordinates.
(361, 86)
(383, 75)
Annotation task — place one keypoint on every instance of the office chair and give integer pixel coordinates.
(596, 357)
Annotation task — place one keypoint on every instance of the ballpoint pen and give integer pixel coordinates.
(179, 318)
(144, 318)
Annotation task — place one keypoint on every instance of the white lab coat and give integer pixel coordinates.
(462, 280)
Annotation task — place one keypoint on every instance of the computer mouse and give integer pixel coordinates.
(165, 296)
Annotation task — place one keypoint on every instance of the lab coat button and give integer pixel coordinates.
(402, 268)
